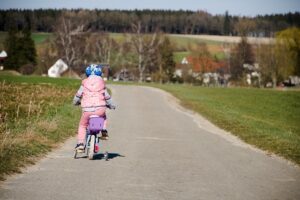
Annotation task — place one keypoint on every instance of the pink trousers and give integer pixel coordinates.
(83, 123)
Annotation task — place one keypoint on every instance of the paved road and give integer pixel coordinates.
(158, 152)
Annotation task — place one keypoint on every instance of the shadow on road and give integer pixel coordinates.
(100, 156)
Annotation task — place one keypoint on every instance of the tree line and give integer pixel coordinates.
(151, 54)
(72, 41)
(168, 21)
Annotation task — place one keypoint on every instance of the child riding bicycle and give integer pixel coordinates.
(94, 99)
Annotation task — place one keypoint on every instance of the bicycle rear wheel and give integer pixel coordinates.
(92, 147)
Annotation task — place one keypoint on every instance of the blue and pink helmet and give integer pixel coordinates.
(93, 69)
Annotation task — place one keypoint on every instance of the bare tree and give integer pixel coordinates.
(227, 51)
(200, 57)
(145, 46)
(99, 47)
(241, 54)
(70, 39)
(245, 26)
(47, 56)
(275, 62)
(269, 65)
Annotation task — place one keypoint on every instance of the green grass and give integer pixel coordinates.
(182, 45)
(60, 82)
(178, 56)
(38, 38)
(36, 114)
(184, 42)
(119, 37)
(268, 119)
(220, 55)
(32, 138)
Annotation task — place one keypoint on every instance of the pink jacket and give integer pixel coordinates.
(93, 92)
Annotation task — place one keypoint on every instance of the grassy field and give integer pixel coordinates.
(36, 115)
(182, 44)
(214, 47)
(61, 82)
(179, 55)
(37, 37)
(268, 119)
(184, 41)
(227, 39)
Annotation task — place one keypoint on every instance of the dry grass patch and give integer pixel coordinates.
(34, 118)
(48, 126)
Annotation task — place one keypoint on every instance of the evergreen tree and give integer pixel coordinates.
(20, 49)
(226, 27)
(167, 61)
(29, 50)
(11, 47)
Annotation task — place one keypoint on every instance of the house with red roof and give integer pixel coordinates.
(203, 68)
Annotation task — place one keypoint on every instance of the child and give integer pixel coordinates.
(94, 99)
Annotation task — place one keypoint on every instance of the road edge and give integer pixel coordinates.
(205, 124)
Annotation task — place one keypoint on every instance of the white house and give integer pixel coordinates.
(184, 61)
(3, 55)
(57, 69)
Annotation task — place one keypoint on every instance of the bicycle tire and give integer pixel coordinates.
(75, 154)
(92, 147)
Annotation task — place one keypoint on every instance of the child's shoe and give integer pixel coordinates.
(104, 134)
(79, 147)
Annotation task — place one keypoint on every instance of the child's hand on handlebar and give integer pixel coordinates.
(111, 106)
(76, 101)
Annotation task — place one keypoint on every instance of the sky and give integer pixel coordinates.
(234, 7)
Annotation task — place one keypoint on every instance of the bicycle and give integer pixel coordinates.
(92, 143)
